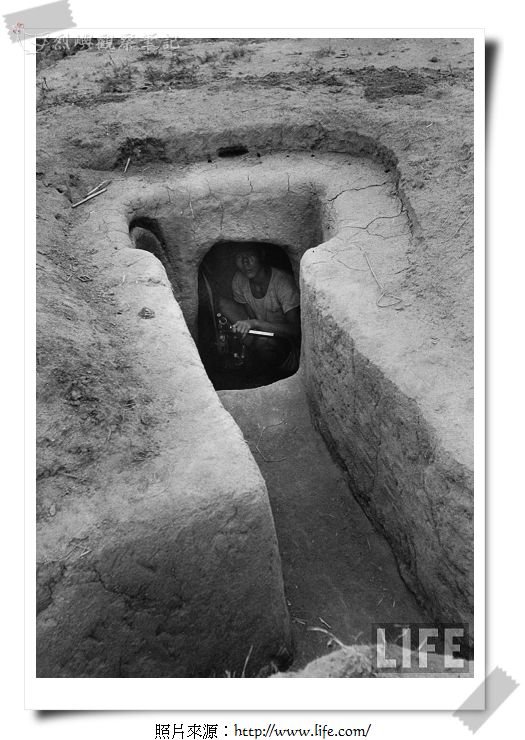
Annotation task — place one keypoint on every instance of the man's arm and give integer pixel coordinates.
(290, 328)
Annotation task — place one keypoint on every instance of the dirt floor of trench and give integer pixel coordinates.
(340, 575)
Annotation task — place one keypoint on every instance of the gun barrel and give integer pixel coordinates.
(223, 321)
(261, 333)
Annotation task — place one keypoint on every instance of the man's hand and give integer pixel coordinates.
(243, 327)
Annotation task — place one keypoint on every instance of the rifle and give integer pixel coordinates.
(227, 326)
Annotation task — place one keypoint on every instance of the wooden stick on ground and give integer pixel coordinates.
(94, 195)
(100, 185)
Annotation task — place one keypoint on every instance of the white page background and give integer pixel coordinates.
(504, 369)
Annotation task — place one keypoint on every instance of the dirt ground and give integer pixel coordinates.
(97, 108)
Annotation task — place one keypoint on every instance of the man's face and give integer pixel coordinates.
(248, 262)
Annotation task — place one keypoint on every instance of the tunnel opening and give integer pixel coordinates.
(236, 150)
(145, 233)
(263, 356)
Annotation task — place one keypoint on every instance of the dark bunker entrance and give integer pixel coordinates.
(228, 294)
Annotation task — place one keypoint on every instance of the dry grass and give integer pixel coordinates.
(324, 51)
(208, 57)
(237, 52)
(118, 78)
(174, 74)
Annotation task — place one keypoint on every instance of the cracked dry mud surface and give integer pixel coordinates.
(102, 424)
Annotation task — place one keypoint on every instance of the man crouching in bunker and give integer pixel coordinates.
(265, 299)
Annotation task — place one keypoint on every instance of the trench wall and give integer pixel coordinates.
(179, 572)
(418, 492)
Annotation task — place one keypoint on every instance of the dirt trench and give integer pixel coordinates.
(339, 573)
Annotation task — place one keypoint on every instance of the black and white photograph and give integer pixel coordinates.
(255, 357)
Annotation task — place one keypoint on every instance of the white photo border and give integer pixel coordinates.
(422, 693)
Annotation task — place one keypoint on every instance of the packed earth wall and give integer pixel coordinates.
(411, 487)
(169, 566)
